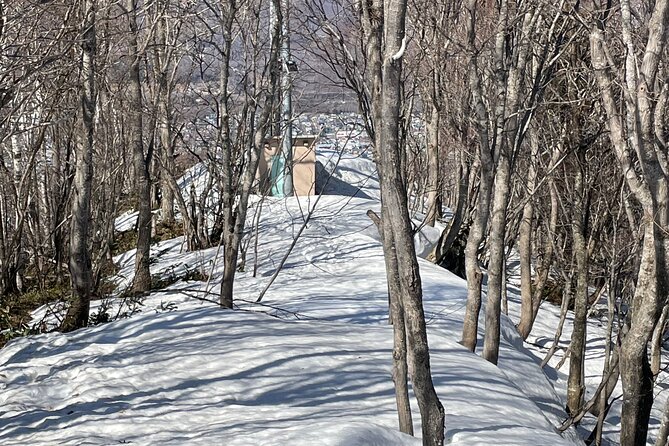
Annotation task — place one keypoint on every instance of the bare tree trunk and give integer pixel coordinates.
(656, 343)
(236, 196)
(525, 245)
(611, 370)
(509, 135)
(433, 167)
(163, 65)
(229, 192)
(480, 221)
(527, 318)
(631, 130)
(80, 261)
(373, 29)
(142, 280)
(635, 369)
(576, 380)
(497, 264)
(400, 367)
(450, 233)
(395, 212)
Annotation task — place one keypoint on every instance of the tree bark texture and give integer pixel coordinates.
(396, 210)
(400, 366)
(480, 220)
(142, 280)
(630, 121)
(525, 246)
(81, 272)
(497, 261)
(433, 202)
(387, 20)
(576, 380)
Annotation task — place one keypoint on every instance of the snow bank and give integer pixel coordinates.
(311, 365)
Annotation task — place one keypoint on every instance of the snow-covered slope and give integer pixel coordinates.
(310, 365)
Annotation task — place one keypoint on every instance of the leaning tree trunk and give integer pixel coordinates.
(451, 232)
(80, 260)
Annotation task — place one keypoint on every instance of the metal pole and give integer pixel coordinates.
(275, 127)
(286, 103)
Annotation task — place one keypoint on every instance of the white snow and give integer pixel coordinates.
(310, 365)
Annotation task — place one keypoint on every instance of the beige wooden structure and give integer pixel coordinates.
(304, 165)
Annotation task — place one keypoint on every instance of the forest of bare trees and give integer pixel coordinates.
(545, 141)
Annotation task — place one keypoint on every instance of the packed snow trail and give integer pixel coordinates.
(314, 370)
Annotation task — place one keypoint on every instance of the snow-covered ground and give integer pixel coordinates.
(310, 365)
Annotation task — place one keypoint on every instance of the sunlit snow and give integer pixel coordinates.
(310, 365)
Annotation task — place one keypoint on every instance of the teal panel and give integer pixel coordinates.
(277, 176)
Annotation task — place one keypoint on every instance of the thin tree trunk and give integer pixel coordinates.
(236, 196)
(480, 221)
(509, 132)
(527, 320)
(163, 65)
(525, 246)
(142, 280)
(564, 308)
(400, 367)
(80, 261)
(433, 167)
(229, 192)
(576, 380)
(496, 265)
(395, 210)
(611, 370)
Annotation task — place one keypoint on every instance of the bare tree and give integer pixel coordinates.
(141, 160)
(241, 149)
(80, 260)
(521, 71)
(635, 118)
(384, 32)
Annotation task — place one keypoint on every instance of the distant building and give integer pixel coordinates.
(270, 167)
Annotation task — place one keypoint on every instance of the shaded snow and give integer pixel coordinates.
(310, 365)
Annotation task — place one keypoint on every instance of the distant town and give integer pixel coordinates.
(344, 131)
